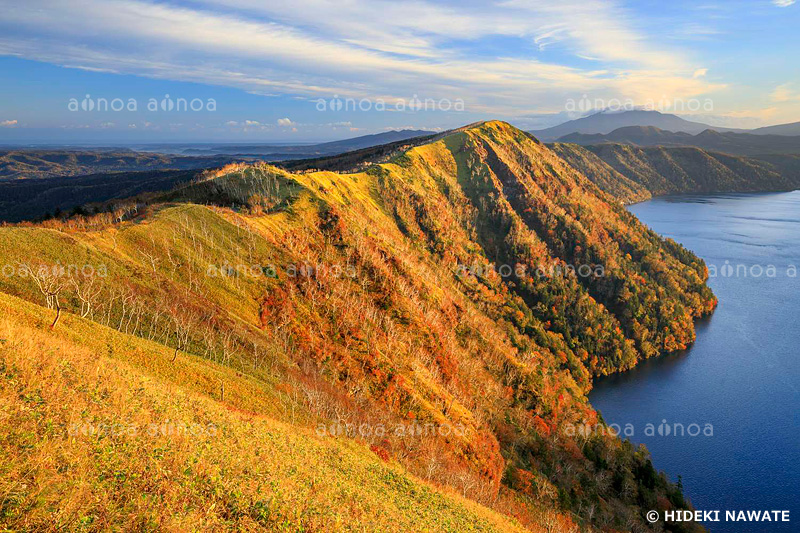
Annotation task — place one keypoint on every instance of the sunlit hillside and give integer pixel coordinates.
(634, 174)
(409, 346)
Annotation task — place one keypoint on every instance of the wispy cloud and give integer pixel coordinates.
(8, 123)
(695, 31)
(308, 48)
(783, 3)
(785, 93)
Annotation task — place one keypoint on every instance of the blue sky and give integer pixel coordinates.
(310, 70)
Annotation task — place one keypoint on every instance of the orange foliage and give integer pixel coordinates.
(381, 452)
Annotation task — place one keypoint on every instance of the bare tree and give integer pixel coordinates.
(151, 258)
(173, 260)
(126, 297)
(50, 284)
(87, 289)
(154, 320)
(182, 325)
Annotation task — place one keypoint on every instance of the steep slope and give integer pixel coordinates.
(625, 170)
(469, 289)
(625, 189)
(101, 432)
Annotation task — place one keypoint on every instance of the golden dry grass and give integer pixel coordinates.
(104, 439)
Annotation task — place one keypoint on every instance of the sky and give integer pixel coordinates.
(141, 71)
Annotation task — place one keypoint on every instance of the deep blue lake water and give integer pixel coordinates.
(742, 375)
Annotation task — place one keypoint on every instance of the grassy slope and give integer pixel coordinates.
(245, 470)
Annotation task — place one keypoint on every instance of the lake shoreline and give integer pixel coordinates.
(741, 366)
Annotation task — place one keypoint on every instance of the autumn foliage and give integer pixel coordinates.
(469, 289)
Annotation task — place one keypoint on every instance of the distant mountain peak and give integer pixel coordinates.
(605, 123)
(709, 133)
(729, 142)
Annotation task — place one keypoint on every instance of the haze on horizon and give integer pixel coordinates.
(268, 66)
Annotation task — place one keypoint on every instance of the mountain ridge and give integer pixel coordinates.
(637, 173)
(491, 282)
(746, 144)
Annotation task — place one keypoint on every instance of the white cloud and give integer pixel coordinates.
(309, 49)
(247, 125)
(699, 73)
(8, 124)
(285, 122)
(595, 28)
(783, 3)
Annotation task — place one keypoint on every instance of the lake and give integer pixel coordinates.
(742, 374)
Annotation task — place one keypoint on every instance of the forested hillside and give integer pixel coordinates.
(634, 173)
(466, 291)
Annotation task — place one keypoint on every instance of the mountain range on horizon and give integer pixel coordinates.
(623, 163)
(302, 151)
(52, 161)
(604, 122)
(729, 142)
(640, 127)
